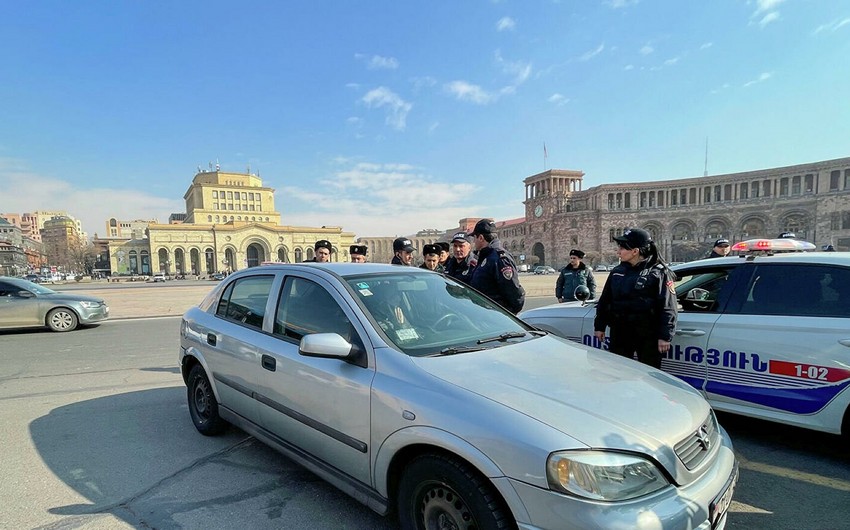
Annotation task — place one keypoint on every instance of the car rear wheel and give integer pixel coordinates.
(62, 319)
(438, 492)
(203, 406)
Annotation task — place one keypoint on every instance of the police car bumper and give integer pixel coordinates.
(702, 504)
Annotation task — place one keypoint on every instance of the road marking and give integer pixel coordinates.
(809, 478)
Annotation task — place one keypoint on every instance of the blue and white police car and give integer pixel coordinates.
(765, 334)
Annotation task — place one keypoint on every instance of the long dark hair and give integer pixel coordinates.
(653, 258)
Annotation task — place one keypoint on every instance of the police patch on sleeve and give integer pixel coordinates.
(671, 287)
(507, 272)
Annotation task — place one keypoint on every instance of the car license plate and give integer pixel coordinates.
(721, 503)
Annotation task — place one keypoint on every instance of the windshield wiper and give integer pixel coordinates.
(503, 337)
(459, 349)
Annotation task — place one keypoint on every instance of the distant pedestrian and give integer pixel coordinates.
(721, 249)
(403, 250)
(357, 253)
(462, 262)
(638, 302)
(576, 273)
(496, 274)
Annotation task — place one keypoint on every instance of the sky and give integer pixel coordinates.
(387, 117)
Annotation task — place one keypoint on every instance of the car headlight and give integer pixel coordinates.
(90, 305)
(602, 475)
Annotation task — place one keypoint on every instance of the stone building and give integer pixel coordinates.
(685, 215)
(63, 243)
(230, 223)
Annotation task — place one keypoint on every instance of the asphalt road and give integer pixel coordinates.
(97, 435)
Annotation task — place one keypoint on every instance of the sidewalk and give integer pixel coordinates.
(175, 298)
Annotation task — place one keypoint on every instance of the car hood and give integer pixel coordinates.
(598, 398)
(67, 297)
(576, 309)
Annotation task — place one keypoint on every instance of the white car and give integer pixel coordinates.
(766, 336)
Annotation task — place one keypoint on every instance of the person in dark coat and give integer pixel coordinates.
(721, 249)
(496, 274)
(358, 253)
(574, 274)
(444, 253)
(638, 302)
(462, 262)
(323, 249)
(431, 255)
(403, 250)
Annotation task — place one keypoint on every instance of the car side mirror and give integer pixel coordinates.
(581, 293)
(697, 294)
(25, 294)
(331, 346)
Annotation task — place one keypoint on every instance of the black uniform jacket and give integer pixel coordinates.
(497, 277)
(461, 270)
(570, 278)
(638, 299)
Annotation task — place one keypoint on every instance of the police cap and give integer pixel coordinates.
(359, 250)
(461, 237)
(402, 243)
(444, 246)
(323, 243)
(577, 253)
(484, 227)
(634, 238)
(722, 242)
(430, 249)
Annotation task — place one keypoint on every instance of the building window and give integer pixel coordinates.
(706, 195)
(692, 196)
(209, 218)
(717, 196)
(846, 179)
(215, 194)
(611, 235)
(835, 221)
(230, 206)
(229, 195)
(810, 183)
(252, 207)
(783, 186)
(215, 206)
(765, 188)
(652, 199)
(244, 196)
(660, 198)
(683, 197)
(727, 192)
(845, 220)
(628, 200)
(833, 180)
(796, 185)
(743, 190)
(610, 201)
(642, 199)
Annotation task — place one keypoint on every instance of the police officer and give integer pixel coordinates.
(638, 301)
(403, 249)
(322, 249)
(495, 274)
(720, 249)
(444, 253)
(462, 262)
(357, 253)
(431, 254)
(574, 274)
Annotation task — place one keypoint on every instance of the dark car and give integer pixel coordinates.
(34, 278)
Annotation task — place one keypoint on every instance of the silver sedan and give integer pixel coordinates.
(26, 304)
(418, 395)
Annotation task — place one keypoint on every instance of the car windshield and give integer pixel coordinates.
(33, 287)
(429, 314)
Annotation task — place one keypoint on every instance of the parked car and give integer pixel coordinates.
(27, 304)
(418, 395)
(217, 276)
(34, 278)
(158, 277)
(543, 269)
(601, 268)
(767, 336)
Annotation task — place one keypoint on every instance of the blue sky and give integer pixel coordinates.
(388, 117)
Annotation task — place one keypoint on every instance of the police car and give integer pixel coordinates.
(764, 334)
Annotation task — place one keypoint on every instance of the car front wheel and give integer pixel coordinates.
(203, 406)
(441, 492)
(62, 319)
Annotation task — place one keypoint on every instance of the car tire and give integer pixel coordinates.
(62, 319)
(438, 491)
(203, 406)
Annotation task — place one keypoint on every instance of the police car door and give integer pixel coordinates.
(703, 291)
(782, 349)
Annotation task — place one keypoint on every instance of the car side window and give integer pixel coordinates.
(699, 290)
(305, 307)
(799, 290)
(7, 289)
(244, 300)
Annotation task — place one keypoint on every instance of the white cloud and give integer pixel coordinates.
(593, 53)
(629, 67)
(768, 18)
(706, 46)
(422, 82)
(505, 23)
(764, 76)
(520, 70)
(368, 195)
(763, 6)
(559, 99)
(646, 49)
(835, 25)
(671, 61)
(465, 91)
(377, 62)
(92, 206)
(618, 4)
(396, 108)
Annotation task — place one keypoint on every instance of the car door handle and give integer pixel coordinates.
(844, 342)
(211, 339)
(690, 332)
(268, 363)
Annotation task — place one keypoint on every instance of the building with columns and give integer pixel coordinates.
(230, 223)
(684, 216)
